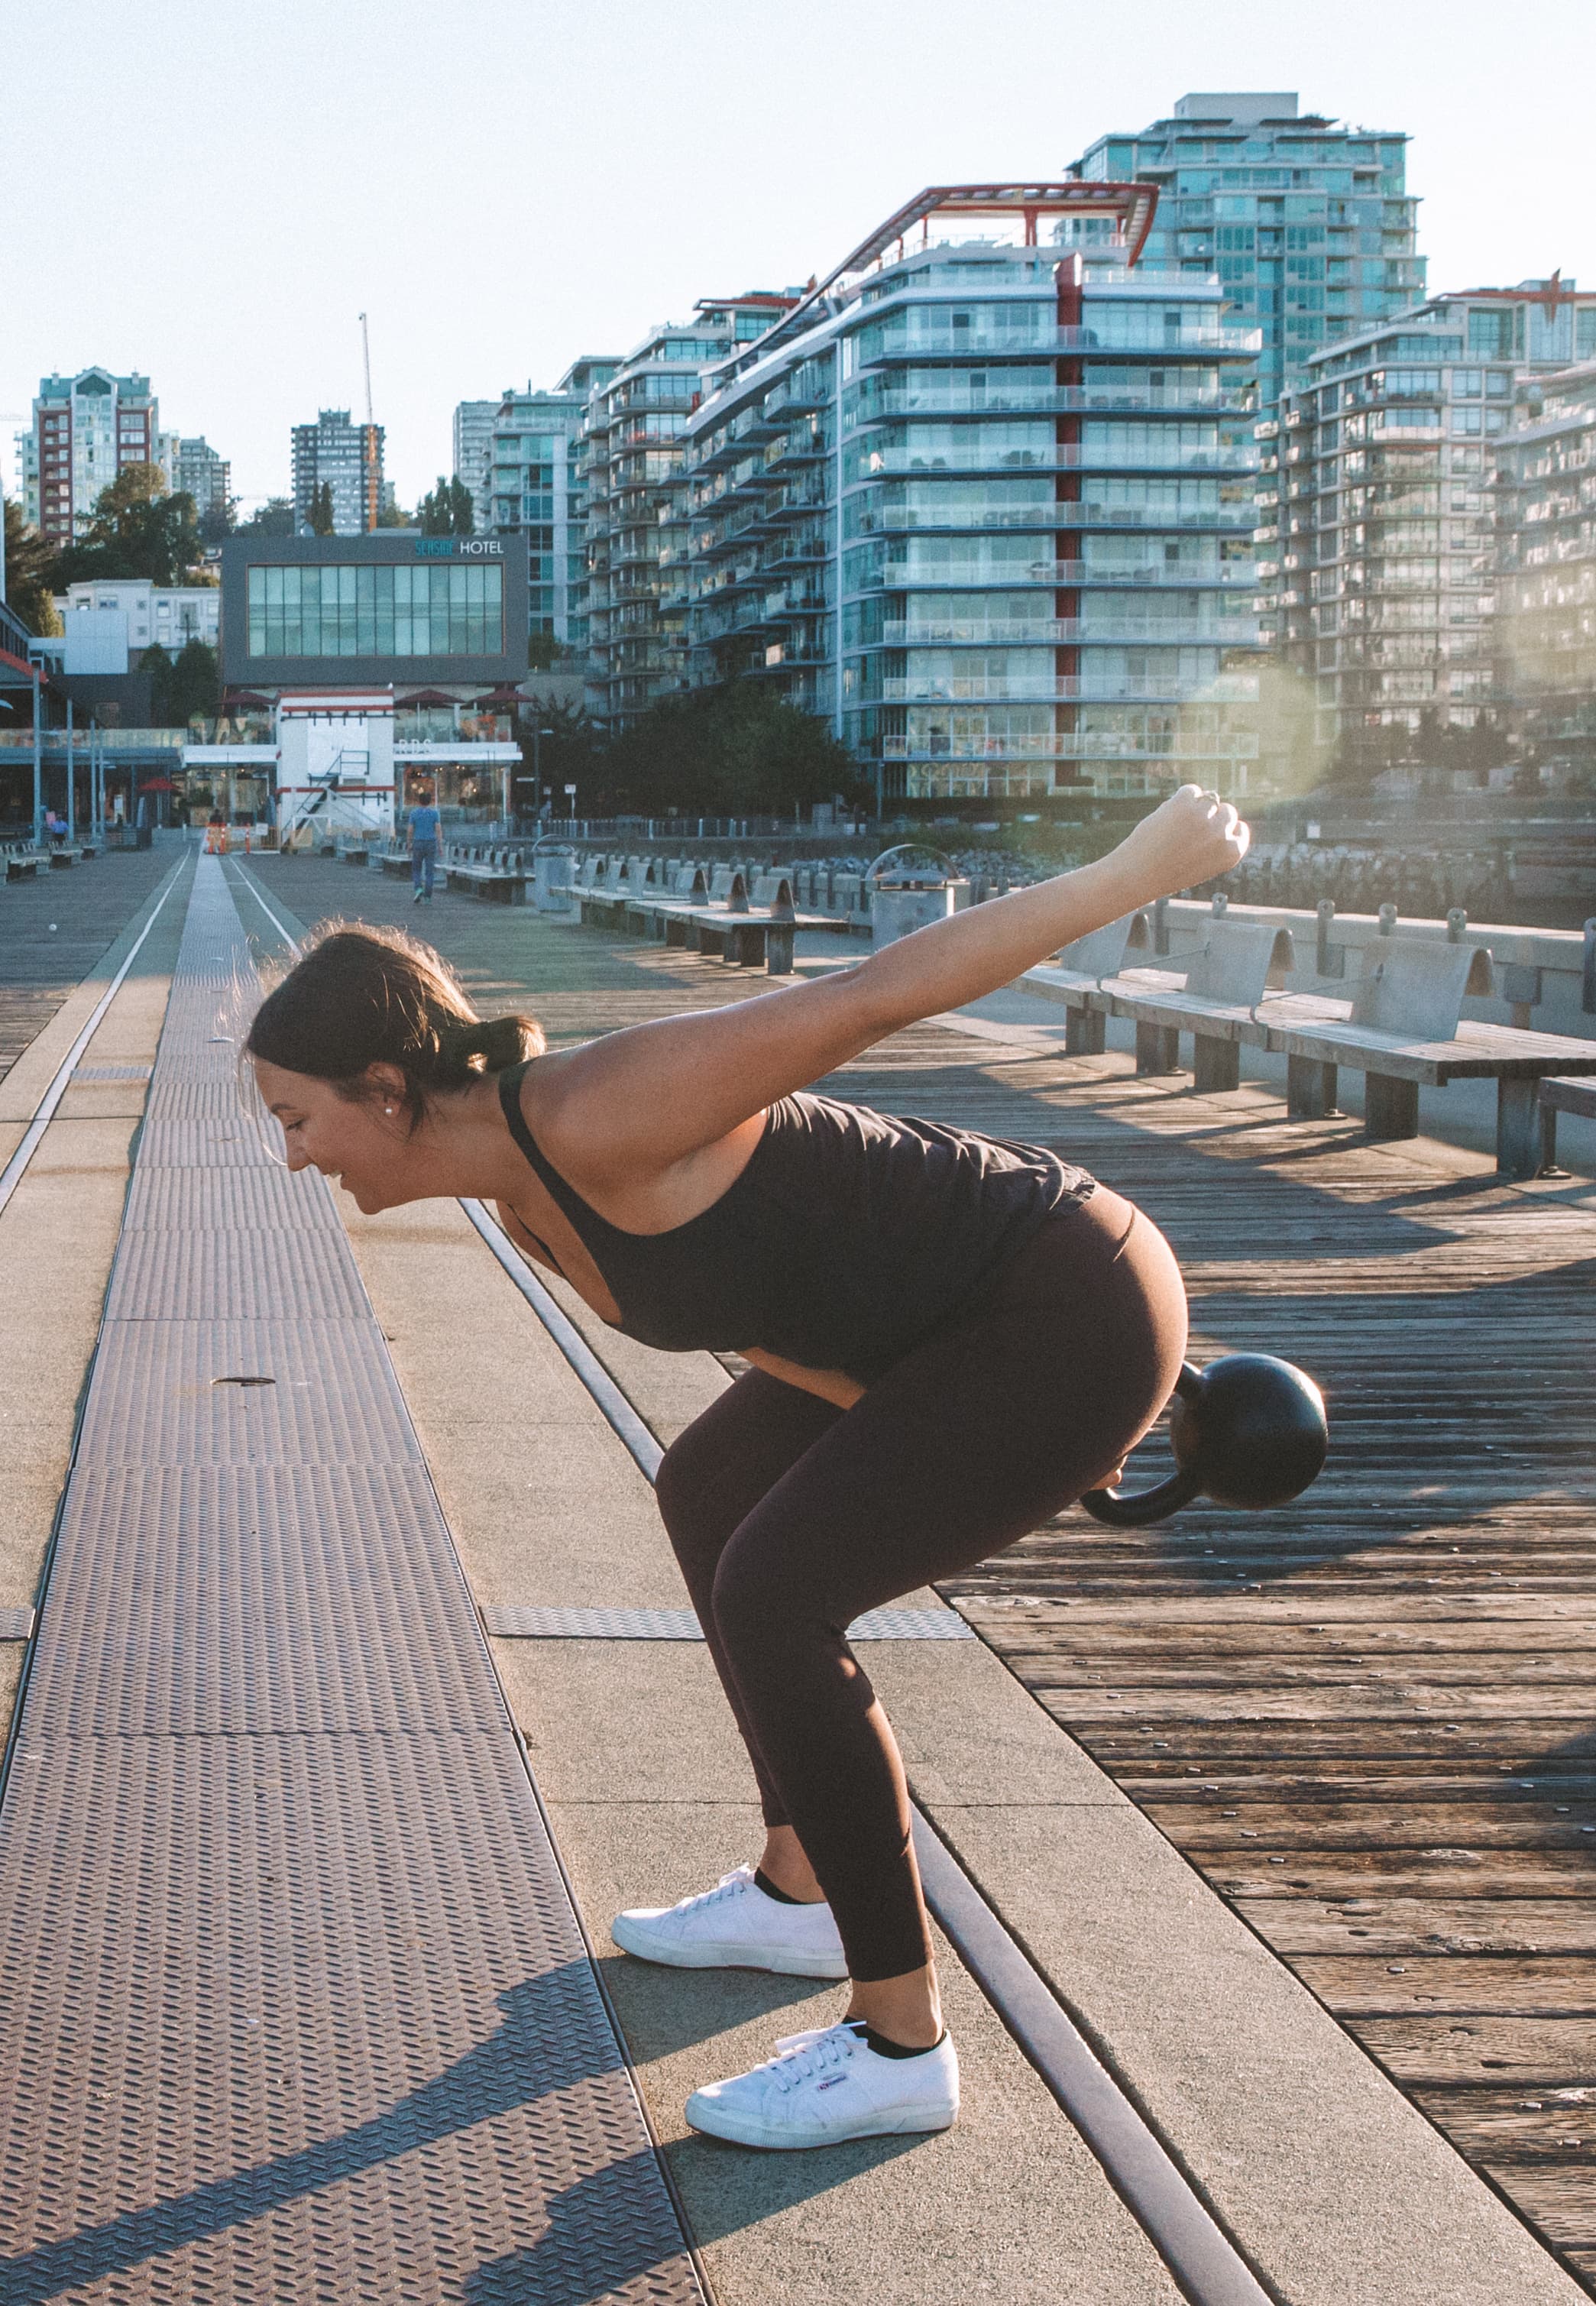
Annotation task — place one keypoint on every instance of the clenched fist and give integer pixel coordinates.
(1193, 836)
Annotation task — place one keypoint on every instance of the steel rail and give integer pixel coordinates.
(11, 1176)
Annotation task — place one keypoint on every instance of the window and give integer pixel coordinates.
(333, 608)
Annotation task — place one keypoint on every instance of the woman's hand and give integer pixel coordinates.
(1194, 836)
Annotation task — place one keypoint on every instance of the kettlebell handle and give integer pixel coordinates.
(1136, 1508)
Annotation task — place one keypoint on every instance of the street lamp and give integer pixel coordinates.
(570, 794)
(537, 766)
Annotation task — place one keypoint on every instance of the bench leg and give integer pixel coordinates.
(675, 932)
(746, 946)
(1084, 1032)
(1158, 1049)
(778, 952)
(1309, 1089)
(1520, 1129)
(1216, 1065)
(1390, 1106)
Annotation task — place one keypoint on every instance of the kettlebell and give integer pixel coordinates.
(1247, 1430)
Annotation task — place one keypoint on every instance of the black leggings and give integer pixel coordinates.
(789, 1516)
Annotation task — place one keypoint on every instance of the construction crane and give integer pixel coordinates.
(373, 487)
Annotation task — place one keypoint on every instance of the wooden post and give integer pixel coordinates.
(1216, 1065)
(1390, 1106)
(1309, 1089)
(1519, 1142)
(1084, 1032)
(1158, 1049)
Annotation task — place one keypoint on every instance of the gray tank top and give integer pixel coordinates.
(849, 1236)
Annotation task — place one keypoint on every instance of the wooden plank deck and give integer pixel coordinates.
(1367, 1720)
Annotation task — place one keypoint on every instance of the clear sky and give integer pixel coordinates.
(211, 191)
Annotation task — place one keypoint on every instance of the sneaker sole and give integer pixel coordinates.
(770, 2138)
(794, 1963)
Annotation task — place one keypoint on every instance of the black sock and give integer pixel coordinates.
(885, 2049)
(762, 1880)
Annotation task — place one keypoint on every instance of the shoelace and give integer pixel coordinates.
(730, 1885)
(812, 2054)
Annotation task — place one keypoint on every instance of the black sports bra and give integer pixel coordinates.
(849, 1235)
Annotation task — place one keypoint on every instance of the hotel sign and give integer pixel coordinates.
(469, 548)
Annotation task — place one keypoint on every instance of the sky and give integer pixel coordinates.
(210, 191)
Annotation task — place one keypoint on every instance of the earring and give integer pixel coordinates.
(387, 1109)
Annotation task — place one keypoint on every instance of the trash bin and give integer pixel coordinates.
(143, 836)
(554, 878)
(911, 887)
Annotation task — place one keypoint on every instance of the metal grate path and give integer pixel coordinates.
(294, 2004)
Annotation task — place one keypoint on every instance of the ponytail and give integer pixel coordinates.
(363, 996)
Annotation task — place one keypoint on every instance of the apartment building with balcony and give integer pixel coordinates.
(1378, 535)
(984, 500)
(1545, 638)
(86, 430)
(630, 464)
(533, 487)
(1306, 222)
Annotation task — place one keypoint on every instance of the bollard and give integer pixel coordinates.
(1161, 925)
(1221, 904)
(1387, 920)
(1588, 991)
(1457, 920)
(1328, 960)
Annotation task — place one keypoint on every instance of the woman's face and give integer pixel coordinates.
(364, 1147)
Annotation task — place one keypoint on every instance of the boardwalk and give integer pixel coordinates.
(1358, 1727)
(1370, 1718)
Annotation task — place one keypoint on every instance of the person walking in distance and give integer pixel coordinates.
(952, 1337)
(425, 825)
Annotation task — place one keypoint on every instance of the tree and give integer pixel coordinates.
(321, 510)
(184, 688)
(543, 652)
(391, 513)
(447, 510)
(735, 750)
(275, 517)
(30, 571)
(138, 530)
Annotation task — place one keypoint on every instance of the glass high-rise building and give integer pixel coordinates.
(631, 463)
(471, 439)
(1307, 223)
(533, 487)
(1546, 577)
(1381, 516)
(345, 458)
(87, 429)
(984, 500)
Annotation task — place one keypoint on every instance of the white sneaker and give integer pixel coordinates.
(735, 1926)
(823, 2088)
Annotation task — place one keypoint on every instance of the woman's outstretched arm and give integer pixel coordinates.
(654, 1093)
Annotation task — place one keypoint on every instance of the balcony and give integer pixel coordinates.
(1067, 457)
(1042, 632)
(1082, 745)
(1061, 400)
(896, 344)
(1064, 575)
(1073, 688)
(882, 519)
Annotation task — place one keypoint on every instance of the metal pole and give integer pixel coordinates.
(70, 802)
(38, 761)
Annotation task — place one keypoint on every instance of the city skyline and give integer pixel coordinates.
(430, 250)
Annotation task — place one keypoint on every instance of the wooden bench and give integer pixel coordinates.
(749, 936)
(1215, 999)
(498, 873)
(1402, 1030)
(22, 864)
(1561, 1093)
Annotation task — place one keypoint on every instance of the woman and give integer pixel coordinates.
(951, 1338)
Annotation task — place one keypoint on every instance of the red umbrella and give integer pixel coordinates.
(505, 694)
(247, 698)
(429, 696)
(157, 784)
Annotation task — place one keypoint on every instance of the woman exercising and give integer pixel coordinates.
(951, 1338)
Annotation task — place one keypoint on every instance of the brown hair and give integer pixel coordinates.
(361, 996)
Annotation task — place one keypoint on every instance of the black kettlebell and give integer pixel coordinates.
(1247, 1430)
